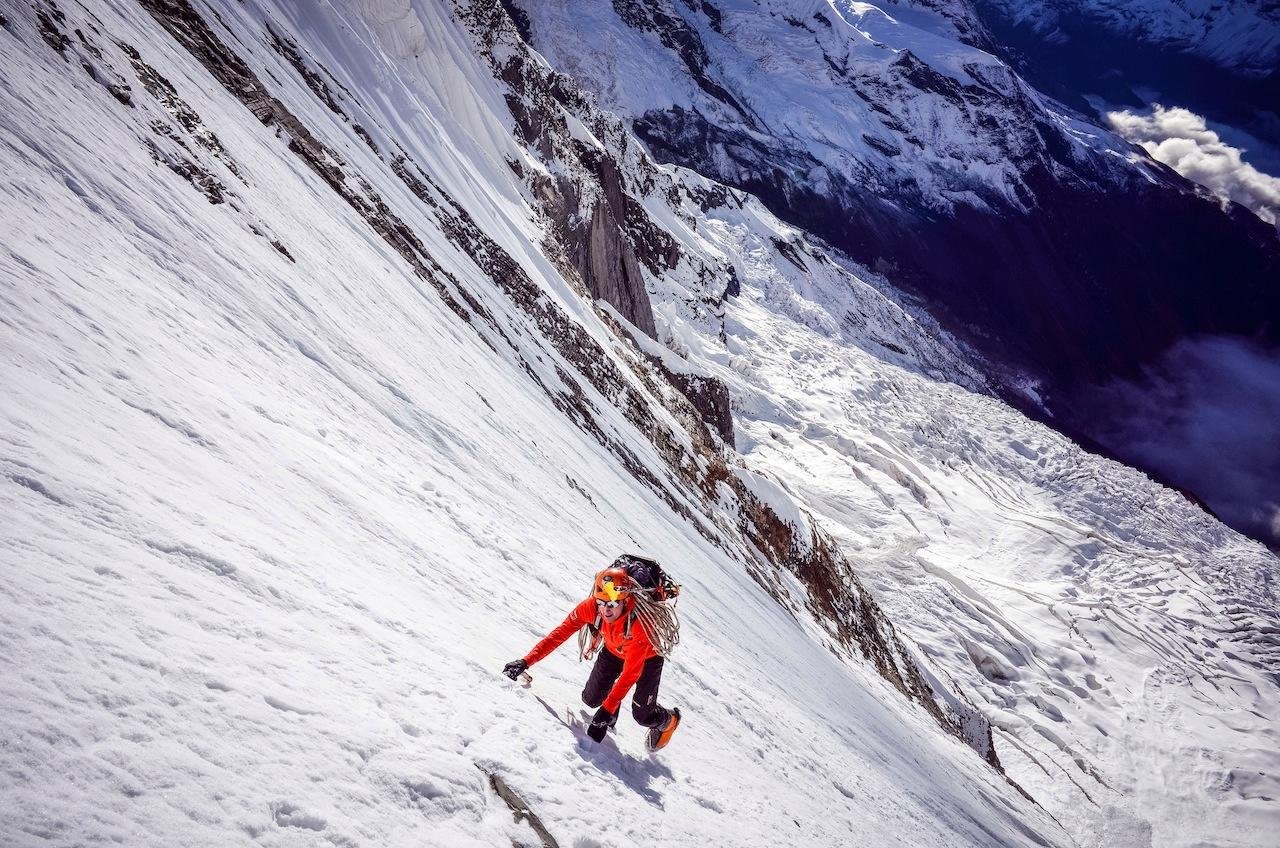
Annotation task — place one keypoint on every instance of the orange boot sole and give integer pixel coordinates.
(659, 737)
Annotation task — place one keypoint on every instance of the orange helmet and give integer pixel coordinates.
(612, 584)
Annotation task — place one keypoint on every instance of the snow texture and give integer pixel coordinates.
(283, 488)
(1120, 641)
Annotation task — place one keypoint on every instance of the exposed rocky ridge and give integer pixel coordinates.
(708, 396)
(834, 595)
(587, 220)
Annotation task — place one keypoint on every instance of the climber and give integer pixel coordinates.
(633, 629)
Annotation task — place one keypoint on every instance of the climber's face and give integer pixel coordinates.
(611, 610)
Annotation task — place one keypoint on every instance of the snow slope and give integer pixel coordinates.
(275, 513)
(291, 461)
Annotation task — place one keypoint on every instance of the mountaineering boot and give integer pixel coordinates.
(660, 736)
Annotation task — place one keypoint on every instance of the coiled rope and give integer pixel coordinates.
(659, 620)
(657, 617)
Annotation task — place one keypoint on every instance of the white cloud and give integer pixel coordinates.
(1180, 139)
(1270, 515)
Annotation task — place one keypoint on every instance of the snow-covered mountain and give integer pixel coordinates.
(901, 134)
(895, 133)
(1240, 35)
(341, 344)
(1216, 59)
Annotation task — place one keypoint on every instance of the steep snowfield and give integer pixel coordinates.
(271, 527)
(275, 512)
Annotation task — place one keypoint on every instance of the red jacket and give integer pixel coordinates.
(633, 650)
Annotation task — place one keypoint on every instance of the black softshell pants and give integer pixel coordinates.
(644, 700)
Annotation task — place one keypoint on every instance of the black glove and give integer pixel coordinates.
(515, 668)
(600, 724)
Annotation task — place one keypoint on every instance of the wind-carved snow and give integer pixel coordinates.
(276, 512)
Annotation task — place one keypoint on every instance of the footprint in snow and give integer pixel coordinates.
(285, 814)
(286, 707)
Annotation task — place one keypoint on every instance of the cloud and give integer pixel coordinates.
(1274, 521)
(1207, 418)
(1180, 139)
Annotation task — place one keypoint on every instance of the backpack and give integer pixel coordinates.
(650, 576)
